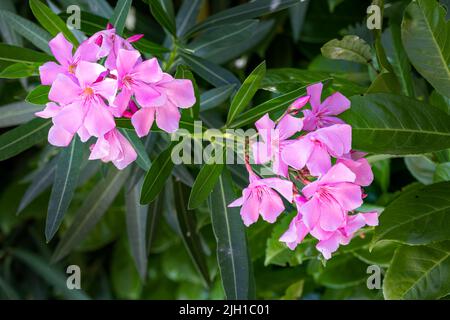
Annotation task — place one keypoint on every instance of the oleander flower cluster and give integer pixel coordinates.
(315, 152)
(106, 78)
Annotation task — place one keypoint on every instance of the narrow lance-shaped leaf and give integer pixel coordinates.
(136, 217)
(155, 211)
(214, 74)
(246, 92)
(51, 21)
(66, 179)
(164, 18)
(425, 33)
(204, 184)
(392, 124)
(120, 15)
(215, 97)
(142, 160)
(27, 29)
(19, 70)
(157, 175)
(419, 272)
(17, 113)
(23, 137)
(88, 215)
(232, 251)
(242, 12)
(13, 54)
(187, 15)
(188, 229)
(420, 216)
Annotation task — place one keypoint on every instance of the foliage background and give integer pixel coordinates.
(179, 267)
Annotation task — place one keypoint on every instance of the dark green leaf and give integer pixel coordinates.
(18, 70)
(421, 168)
(120, 15)
(350, 48)
(142, 160)
(187, 15)
(12, 54)
(215, 97)
(23, 137)
(17, 113)
(164, 18)
(442, 172)
(66, 179)
(297, 15)
(38, 95)
(204, 184)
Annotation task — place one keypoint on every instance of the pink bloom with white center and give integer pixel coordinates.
(297, 229)
(330, 198)
(259, 198)
(174, 94)
(330, 241)
(62, 50)
(274, 139)
(322, 114)
(134, 77)
(84, 109)
(114, 147)
(315, 148)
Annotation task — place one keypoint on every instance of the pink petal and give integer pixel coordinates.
(148, 71)
(311, 212)
(265, 123)
(315, 92)
(106, 88)
(319, 161)
(100, 149)
(87, 52)
(310, 120)
(98, 120)
(70, 118)
(284, 187)
(147, 96)
(361, 168)
(237, 203)
(83, 134)
(49, 71)
(332, 217)
(250, 210)
(337, 138)
(338, 173)
(288, 126)
(59, 137)
(327, 247)
(261, 152)
(300, 102)
(371, 218)
(335, 104)
(279, 167)
(271, 206)
(297, 154)
(295, 234)
(127, 154)
(126, 59)
(88, 72)
(50, 111)
(168, 118)
(61, 49)
(180, 92)
(64, 90)
(142, 121)
(121, 102)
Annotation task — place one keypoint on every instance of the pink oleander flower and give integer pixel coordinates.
(359, 166)
(329, 241)
(297, 230)
(259, 198)
(330, 198)
(322, 114)
(316, 148)
(114, 147)
(274, 139)
(82, 104)
(109, 45)
(62, 50)
(174, 94)
(134, 78)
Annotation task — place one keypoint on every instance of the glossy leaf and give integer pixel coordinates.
(420, 216)
(120, 15)
(164, 18)
(13, 54)
(204, 184)
(421, 168)
(442, 172)
(17, 113)
(350, 48)
(187, 15)
(425, 33)
(66, 179)
(215, 97)
(38, 95)
(50, 21)
(392, 124)
(419, 272)
(18, 70)
(246, 92)
(23, 137)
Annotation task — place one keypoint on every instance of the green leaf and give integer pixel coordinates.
(391, 124)
(163, 16)
(350, 48)
(8, 291)
(27, 29)
(381, 254)
(156, 177)
(12, 54)
(136, 217)
(38, 95)
(41, 181)
(419, 272)
(297, 15)
(242, 12)
(214, 74)
(246, 92)
(385, 82)
(272, 106)
(440, 101)
(425, 34)
(204, 184)
(17, 113)
(51, 21)
(142, 160)
(150, 47)
(419, 216)
(66, 179)
(442, 172)
(421, 168)
(215, 97)
(189, 114)
(188, 229)
(23, 137)
(232, 251)
(120, 15)
(187, 15)
(223, 36)
(88, 215)
(19, 70)
(155, 211)
(342, 271)
(90, 23)
(50, 274)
